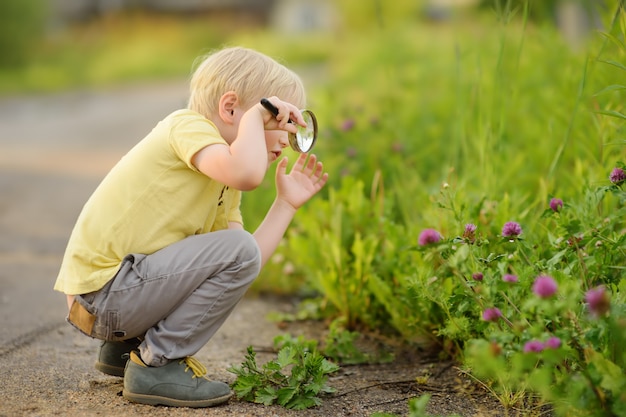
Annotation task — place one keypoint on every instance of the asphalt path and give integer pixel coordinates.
(54, 149)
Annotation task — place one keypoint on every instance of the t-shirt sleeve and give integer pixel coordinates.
(190, 133)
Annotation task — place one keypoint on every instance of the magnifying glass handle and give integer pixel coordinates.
(269, 106)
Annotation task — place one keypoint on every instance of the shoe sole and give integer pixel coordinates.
(172, 402)
(109, 369)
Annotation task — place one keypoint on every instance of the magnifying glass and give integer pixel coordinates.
(305, 138)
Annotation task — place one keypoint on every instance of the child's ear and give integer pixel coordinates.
(228, 103)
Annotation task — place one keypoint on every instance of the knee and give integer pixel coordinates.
(249, 253)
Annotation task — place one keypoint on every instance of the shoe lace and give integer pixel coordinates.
(196, 367)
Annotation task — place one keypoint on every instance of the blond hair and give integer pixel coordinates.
(250, 74)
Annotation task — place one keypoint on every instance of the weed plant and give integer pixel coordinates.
(295, 379)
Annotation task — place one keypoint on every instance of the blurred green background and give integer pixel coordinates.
(51, 45)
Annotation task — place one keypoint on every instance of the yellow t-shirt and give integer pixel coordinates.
(152, 198)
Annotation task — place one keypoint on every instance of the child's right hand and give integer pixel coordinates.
(286, 112)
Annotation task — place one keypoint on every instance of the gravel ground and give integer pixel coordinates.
(54, 149)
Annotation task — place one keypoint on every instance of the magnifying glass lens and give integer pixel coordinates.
(306, 136)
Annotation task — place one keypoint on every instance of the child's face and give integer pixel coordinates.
(276, 141)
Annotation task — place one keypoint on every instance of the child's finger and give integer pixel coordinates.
(299, 119)
(281, 168)
(319, 170)
(299, 165)
(310, 166)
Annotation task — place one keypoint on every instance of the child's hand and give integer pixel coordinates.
(286, 119)
(303, 182)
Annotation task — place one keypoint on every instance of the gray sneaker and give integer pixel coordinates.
(180, 383)
(112, 356)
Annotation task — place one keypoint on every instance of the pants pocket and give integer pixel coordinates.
(107, 327)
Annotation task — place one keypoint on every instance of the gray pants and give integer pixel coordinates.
(177, 297)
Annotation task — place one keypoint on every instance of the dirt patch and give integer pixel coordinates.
(51, 373)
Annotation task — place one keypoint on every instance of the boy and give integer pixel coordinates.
(158, 257)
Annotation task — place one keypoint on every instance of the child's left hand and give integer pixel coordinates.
(303, 182)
